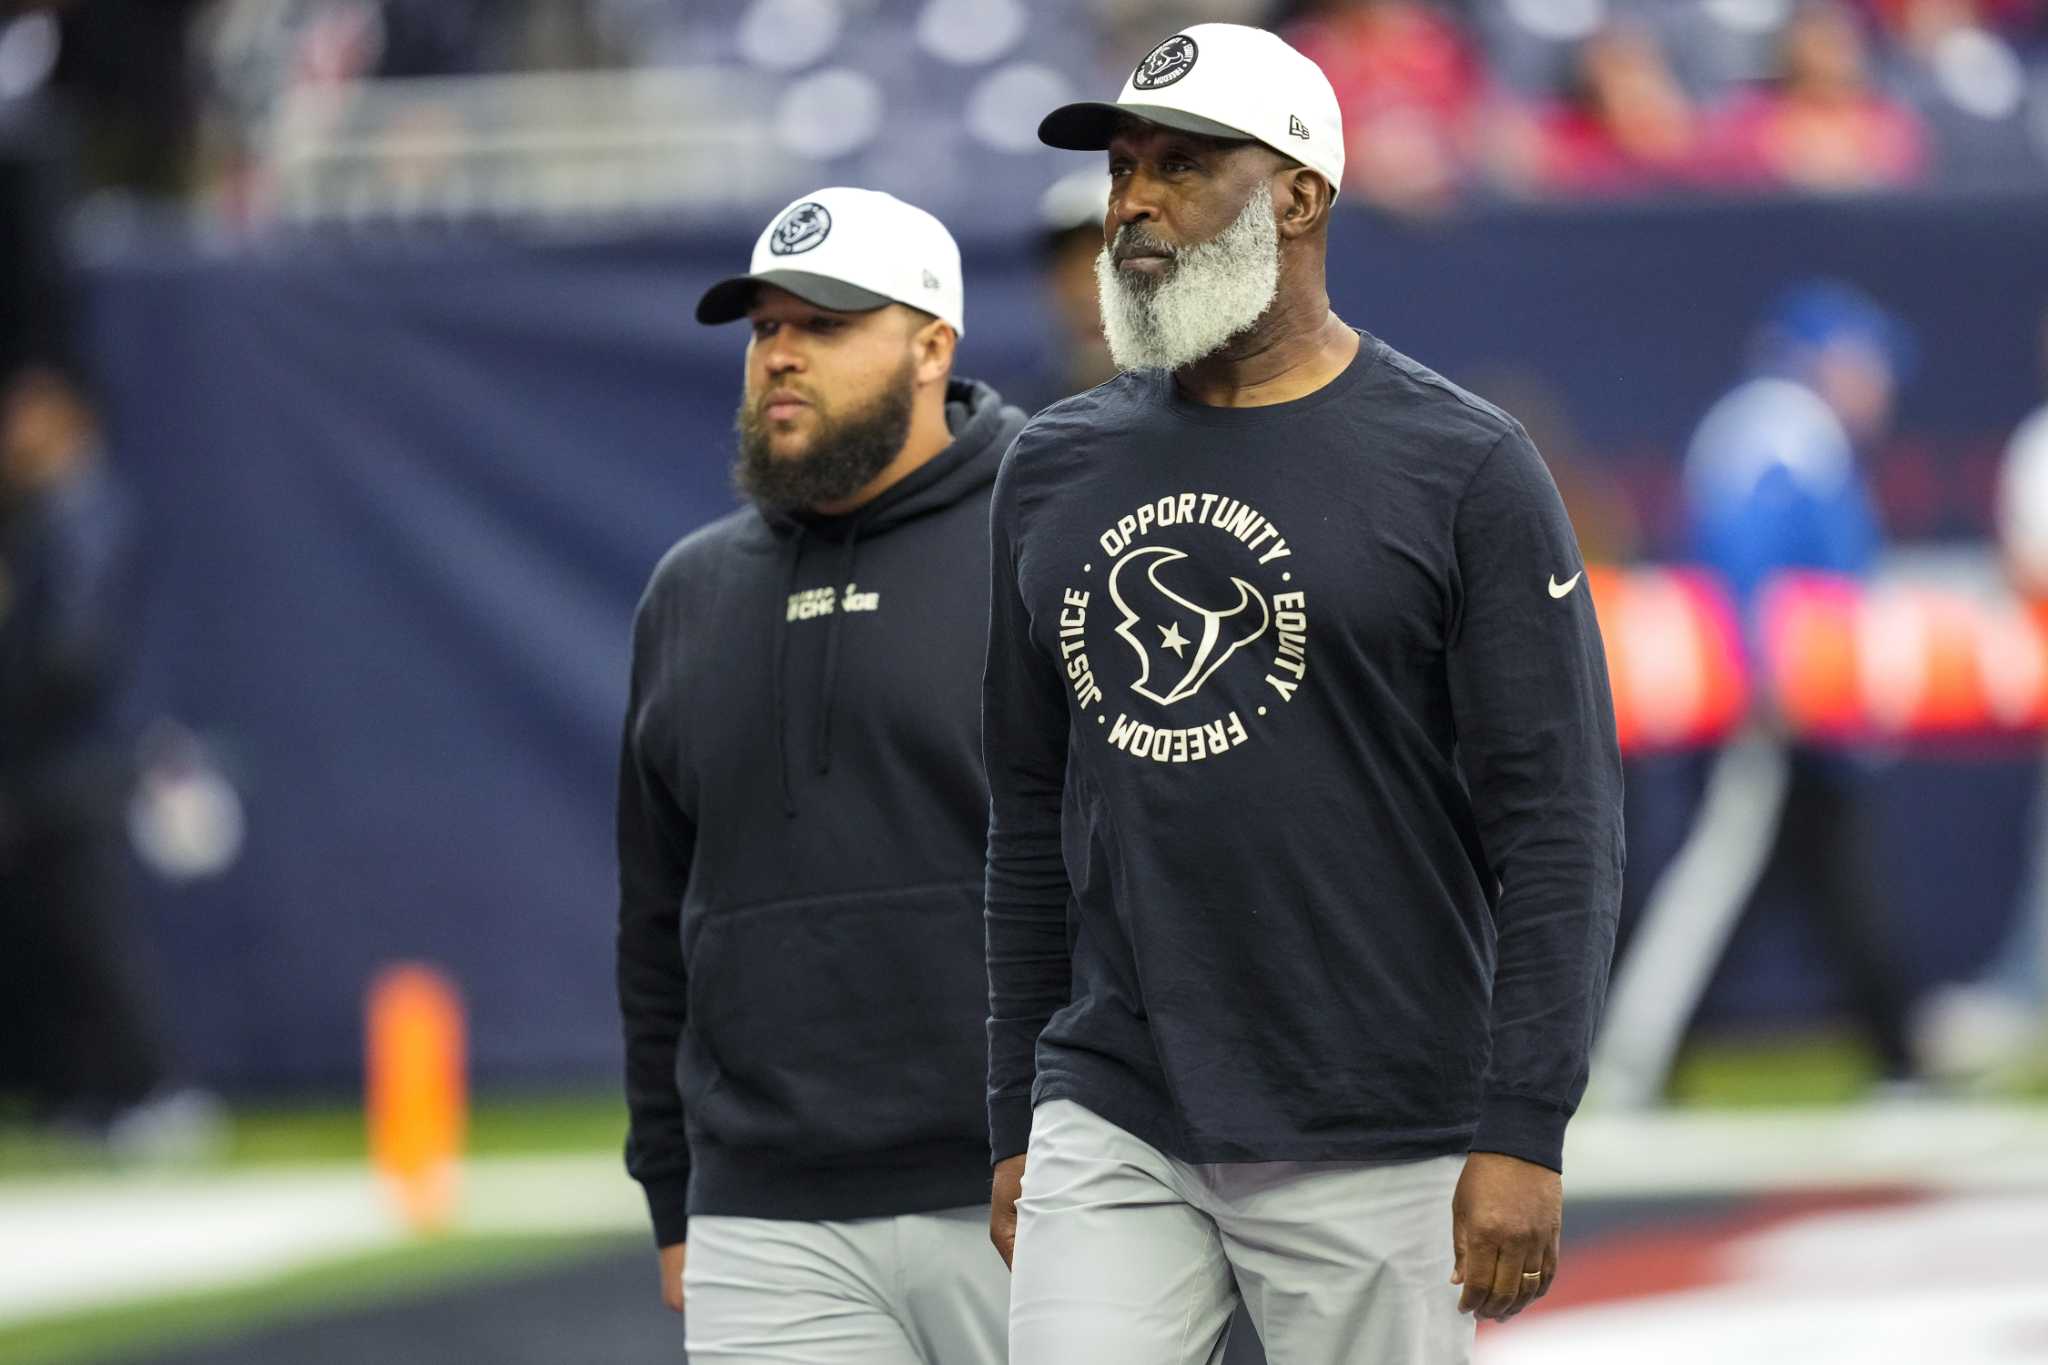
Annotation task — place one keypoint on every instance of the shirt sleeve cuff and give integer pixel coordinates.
(1524, 1127)
(1009, 1127)
(668, 1200)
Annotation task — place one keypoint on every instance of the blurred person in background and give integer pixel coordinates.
(1775, 480)
(801, 819)
(1825, 123)
(1984, 1027)
(83, 1038)
(1077, 358)
(1410, 84)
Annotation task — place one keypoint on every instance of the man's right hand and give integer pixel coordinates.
(672, 1276)
(1002, 1208)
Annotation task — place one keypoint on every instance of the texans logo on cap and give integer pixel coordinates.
(1167, 63)
(802, 228)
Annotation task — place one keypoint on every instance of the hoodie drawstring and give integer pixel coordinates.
(828, 684)
(796, 554)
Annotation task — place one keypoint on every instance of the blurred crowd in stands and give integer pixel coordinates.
(1446, 101)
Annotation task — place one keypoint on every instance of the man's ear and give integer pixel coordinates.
(932, 345)
(1301, 199)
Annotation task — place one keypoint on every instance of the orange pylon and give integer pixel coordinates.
(417, 1084)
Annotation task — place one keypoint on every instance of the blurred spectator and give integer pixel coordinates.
(1624, 124)
(1773, 481)
(1072, 214)
(1410, 86)
(1978, 1028)
(1825, 124)
(81, 1042)
(80, 1037)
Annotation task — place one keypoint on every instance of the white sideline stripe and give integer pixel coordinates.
(1931, 1144)
(78, 1242)
(73, 1244)
(553, 1194)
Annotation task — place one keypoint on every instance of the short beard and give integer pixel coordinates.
(845, 455)
(1213, 292)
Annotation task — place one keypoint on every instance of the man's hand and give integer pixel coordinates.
(1002, 1207)
(672, 1276)
(1505, 1220)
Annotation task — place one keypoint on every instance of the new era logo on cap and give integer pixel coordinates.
(850, 250)
(1221, 80)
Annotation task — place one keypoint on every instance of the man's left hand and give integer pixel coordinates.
(1506, 1219)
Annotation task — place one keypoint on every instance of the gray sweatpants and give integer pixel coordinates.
(921, 1289)
(1126, 1256)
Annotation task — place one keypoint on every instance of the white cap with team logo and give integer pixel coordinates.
(1222, 80)
(850, 250)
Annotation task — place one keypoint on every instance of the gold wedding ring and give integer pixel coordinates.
(1532, 1274)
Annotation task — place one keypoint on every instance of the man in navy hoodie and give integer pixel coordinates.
(802, 812)
(1305, 833)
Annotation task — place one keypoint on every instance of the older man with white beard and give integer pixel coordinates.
(1305, 838)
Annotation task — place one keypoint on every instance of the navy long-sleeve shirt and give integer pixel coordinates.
(1305, 838)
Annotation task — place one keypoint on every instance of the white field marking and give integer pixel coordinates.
(1954, 1281)
(1927, 1144)
(79, 1243)
(568, 1194)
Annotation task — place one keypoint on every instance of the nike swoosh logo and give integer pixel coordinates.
(1563, 589)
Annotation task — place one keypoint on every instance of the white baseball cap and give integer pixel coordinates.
(1222, 80)
(850, 250)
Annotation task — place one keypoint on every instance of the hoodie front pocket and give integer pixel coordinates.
(839, 1025)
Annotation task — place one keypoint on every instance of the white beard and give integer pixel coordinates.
(1215, 291)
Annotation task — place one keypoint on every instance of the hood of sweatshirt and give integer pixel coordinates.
(983, 427)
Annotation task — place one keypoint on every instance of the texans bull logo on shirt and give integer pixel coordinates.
(1212, 636)
(1210, 631)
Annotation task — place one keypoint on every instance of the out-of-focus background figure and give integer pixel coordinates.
(1995, 1021)
(363, 330)
(80, 1040)
(1077, 358)
(84, 1047)
(1775, 479)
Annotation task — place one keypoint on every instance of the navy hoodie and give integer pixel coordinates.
(801, 824)
(1305, 838)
